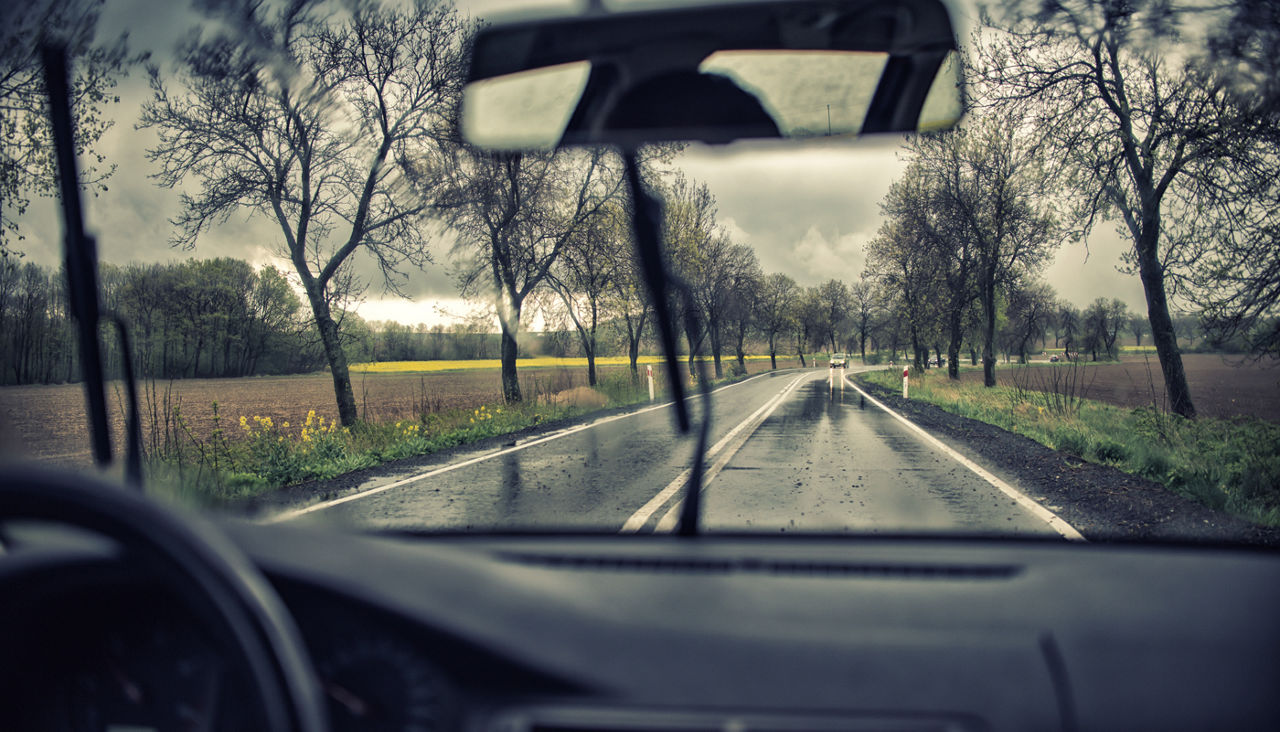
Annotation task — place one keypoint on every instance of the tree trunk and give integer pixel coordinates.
(510, 379)
(633, 352)
(773, 352)
(337, 358)
(591, 363)
(693, 351)
(1162, 333)
(716, 347)
(989, 331)
(918, 362)
(587, 337)
(955, 340)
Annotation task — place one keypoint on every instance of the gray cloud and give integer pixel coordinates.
(808, 211)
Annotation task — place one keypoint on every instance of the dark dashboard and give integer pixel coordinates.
(560, 633)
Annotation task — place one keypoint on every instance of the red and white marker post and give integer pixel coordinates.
(905, 374)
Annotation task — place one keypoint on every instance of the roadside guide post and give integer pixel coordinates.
(649, 367)
(841, 379)
(905, 372)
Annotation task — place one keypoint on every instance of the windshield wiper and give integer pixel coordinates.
(80, 253)
(647, 224)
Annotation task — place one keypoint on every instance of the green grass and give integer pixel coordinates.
(1231, 465)
(240, 461)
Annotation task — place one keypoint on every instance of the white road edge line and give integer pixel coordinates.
(1040, 512)
(669, 520)
(295, 513)
(642, 516)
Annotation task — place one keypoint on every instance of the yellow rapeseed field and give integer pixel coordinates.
(407, 367)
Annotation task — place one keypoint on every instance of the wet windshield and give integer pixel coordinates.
(1058, 320)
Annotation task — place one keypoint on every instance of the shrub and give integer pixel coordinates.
(1110, 451)
(1072, 441)
(1153, 463)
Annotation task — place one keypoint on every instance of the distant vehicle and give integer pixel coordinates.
(839, 361)
(1053, 359)
(939, 362)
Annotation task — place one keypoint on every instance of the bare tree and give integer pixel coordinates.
(909, 281)
(627, 301)
(1135, 132)
(704, 257)
(994, 196)
(1138, 327)
(835, 302)
(807, 321)
(334, 129)
(1030, 308)
(1102, 322)
(775, 310)
(926, 200)
(740, 310)
(516, 214)
(866, 307)
(587, 273)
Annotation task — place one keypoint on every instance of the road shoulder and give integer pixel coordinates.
(1102, 502)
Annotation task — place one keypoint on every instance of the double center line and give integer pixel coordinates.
(719, 455)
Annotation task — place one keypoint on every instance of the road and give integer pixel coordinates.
(792, 450)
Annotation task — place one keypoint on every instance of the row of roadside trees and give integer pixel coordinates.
(337, 126)
(1082, 114)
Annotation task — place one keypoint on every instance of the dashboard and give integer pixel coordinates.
(633, 634)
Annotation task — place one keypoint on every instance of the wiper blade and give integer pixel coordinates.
(80, 255)
(80, 252)
(647, 227)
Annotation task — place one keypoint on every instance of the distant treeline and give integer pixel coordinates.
(213, 318)
(194, 318)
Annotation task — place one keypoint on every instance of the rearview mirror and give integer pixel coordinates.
(714, 73)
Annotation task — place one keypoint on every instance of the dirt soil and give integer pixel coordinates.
(46, 423)
(1221, 386)
(1101, 502)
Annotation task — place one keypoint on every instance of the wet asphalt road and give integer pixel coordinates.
(790, 450)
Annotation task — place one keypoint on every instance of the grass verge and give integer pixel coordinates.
(246, 456)
(1230, 465)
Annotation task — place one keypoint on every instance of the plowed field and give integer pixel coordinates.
(47, 423)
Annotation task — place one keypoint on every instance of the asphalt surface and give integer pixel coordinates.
(789, 451)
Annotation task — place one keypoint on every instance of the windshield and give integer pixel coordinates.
(1058, 320)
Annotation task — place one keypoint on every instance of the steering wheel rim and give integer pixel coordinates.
(204, 567)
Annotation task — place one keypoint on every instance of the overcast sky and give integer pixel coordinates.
(807, 211)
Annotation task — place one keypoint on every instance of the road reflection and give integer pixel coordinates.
(509, 496)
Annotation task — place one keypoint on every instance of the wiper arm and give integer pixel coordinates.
(80, 256)
(80, 253)
(647, 225)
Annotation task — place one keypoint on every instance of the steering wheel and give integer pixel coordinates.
(239, 608)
